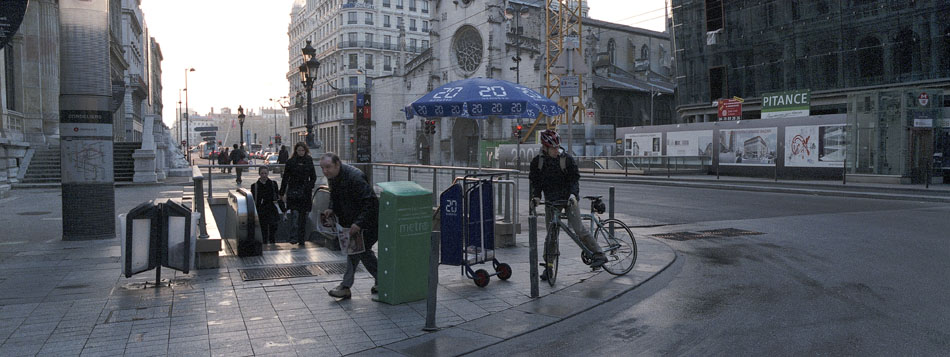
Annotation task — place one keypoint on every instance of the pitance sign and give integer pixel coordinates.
(786, 104)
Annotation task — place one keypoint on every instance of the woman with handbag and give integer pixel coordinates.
(265, 198)
(224, 159)
(296, 186)
(238, 157)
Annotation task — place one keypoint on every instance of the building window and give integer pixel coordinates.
(399, 4)
(387, 63)
(387, 42)
(354, 61)
(8, 74)
(612, 50)
(412, 45)
(412, 5)
(369, 61)
(425, 6)
(386, 3)
(717, 83)
(351, 18)
(644, 52)
(369, 39)
(351, 39)
(412, 25)
(400, 23)
(713, 15)
(368, 2)
(870, 57)
(369, 18)
(425, 26)
(467, 49)
(350, 103)
(354, 81)
(906, 51)
(425, 44)
(386, 22)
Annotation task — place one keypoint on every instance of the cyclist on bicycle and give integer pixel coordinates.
(555, 174)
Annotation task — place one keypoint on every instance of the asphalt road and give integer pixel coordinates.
(829, 276)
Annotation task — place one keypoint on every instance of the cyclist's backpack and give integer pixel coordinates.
(562, 161)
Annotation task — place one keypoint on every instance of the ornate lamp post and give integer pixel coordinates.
(308, 74)
(241, 121)
(187, 120)
(517, 12)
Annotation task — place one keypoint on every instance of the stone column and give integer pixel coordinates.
(145, 157)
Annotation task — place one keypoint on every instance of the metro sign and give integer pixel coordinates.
(923, 99)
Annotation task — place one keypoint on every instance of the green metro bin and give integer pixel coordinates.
(405, 226)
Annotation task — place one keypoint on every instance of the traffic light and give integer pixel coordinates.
(518, 131)
(277, 139)
(429, 127)
(351, 140)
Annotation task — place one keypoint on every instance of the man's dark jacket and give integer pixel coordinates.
(556, 184)
(282, 156)
(353, 200)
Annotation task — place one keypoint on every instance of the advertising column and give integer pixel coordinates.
(85, 121)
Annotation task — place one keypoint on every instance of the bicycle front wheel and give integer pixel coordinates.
(618, 245)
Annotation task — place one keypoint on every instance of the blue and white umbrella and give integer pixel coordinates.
(482, 98)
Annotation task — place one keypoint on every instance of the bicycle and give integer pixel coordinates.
(612, 235)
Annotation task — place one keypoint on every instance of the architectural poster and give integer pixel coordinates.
(689, 143)
(815, 145)
(645, 144)
(750, 147)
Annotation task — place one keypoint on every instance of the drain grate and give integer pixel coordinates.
(711, 233)
(294, 271)
(730, 232)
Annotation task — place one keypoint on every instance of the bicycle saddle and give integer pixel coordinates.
(593, 197)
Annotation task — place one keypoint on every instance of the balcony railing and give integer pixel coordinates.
(413, 29)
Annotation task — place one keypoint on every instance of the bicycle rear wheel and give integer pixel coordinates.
(551, 254)
(620, 247)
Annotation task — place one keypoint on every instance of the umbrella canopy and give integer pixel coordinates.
(483, 98)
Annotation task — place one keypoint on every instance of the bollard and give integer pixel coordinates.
(389, 173)
(409, 178)
(435, 187)
(625, 166)
(844, 172)
(667, 167)
(533, 253)
(927, 179)
(507, 199)
(775, 174)
(432, 296)
(610, 207)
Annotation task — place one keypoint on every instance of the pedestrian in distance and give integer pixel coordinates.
(296, 187)
(282, 156)
(265, 198)
(355, 205)
(238, 157)
(555, 174)
(223, 159)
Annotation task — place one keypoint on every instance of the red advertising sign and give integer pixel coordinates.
(730, 109)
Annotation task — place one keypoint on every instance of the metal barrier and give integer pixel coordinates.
(247, 166)
(643, 164)
(241, 222)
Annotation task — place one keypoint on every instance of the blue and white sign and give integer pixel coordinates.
(450, 223)
(483, 98)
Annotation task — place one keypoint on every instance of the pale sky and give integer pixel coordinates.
(238, 48)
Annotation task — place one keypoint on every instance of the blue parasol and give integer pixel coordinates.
(482, 98)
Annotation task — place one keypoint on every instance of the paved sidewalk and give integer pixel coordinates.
(68, 298)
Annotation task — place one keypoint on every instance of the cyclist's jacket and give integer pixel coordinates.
(557, 184)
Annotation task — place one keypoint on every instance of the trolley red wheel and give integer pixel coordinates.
(504, 271)
(481, 278)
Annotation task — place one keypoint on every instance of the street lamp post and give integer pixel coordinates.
(284, 103)
(241, 121)
(187, 121)
(308, 74)
(179, 118)
(517, 12)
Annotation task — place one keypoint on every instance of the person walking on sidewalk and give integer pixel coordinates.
(265, 198)
(238, 157)
(556, 175)
(354, 202)
(223, 159)
(282, 155)
(296, 187)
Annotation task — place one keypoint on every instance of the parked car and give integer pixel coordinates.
(272, 160)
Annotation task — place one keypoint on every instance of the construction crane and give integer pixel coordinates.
(562, 19)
